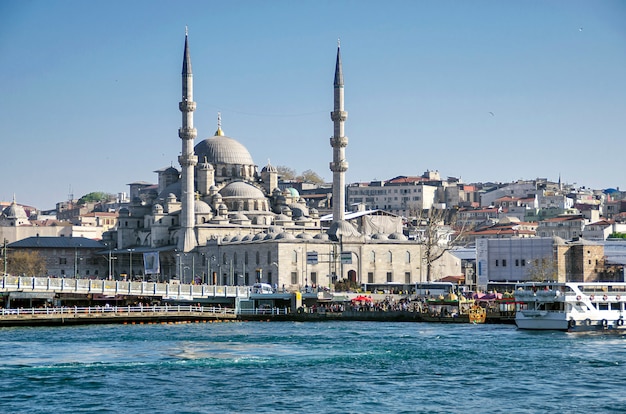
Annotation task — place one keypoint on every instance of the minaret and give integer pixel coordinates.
(339, 142)
(187, 158)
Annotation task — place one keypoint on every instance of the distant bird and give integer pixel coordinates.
(492, 114)
(580, 29)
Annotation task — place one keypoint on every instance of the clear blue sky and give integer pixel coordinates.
(482, 90)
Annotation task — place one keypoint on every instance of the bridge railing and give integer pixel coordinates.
(116, 287)
(125, 310)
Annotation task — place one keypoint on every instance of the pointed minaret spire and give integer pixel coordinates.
(187, 159)
(339, 142)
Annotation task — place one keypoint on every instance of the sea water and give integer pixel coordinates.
(311, 367)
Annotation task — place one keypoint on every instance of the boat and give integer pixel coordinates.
(500, 307)
(477, 314)
(451, 308)
(571, 306)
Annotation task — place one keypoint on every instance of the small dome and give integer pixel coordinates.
(247, 237)
(200, 207)
(240, 189)
(321, 236)
(342, 228)
(285, 236)
(235, 238)
(258, 236)
(225, 239)
(269, 168)
(305, 236)
(269, 236)
(171, 171)
(157, 208)
(14, 211)
(239, 216)
(292, 192)
(380, 236)
(274, 229)
(397, 236)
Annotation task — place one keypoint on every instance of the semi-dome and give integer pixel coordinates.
(240, 189)
(221, 149)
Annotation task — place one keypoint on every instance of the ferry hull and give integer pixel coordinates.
(571, 325)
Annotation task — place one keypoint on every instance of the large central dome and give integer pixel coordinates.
(221, 149)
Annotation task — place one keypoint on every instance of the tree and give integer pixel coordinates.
(310, 176)
(26, 263)
(286, 173)
(95, 197)
(438, 232)
(541, 270)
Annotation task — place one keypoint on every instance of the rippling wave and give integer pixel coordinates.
(328, 367)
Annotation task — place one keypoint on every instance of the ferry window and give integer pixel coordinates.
(503, 262)
(603, 306)
(615, 306)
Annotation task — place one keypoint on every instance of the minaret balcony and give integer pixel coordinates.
(339, 116)
(187, 133)
(338, 142)
(341, 166)
(187, 106)
(188, 161)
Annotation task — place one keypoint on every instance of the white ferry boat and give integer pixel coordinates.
(572, 306)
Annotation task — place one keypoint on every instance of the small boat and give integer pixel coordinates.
(571, 306)
(450, 308)
(477, 314)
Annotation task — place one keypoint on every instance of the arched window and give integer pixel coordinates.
(294, 256)
(269, 257)
(245, 258)
(407, 257)
(235, 258)
(372, 256)
(390, 256)
(224, 261)
(258, 257)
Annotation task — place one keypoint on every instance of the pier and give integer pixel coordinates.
(50, 316)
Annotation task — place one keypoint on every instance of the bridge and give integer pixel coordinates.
(115, 287)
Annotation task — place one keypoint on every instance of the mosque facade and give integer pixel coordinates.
(219, 220)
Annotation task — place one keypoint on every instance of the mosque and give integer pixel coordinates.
(218, 220)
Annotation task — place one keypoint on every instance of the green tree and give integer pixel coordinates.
(95, 197)
(26, 263)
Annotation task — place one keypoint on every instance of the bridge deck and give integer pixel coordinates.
(115, 287)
